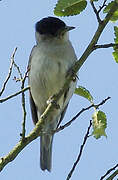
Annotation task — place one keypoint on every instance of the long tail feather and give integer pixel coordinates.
(46, 152)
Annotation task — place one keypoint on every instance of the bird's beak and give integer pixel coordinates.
(65, 29)
(69, 28)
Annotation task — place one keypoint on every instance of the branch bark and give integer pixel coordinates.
(13, 95)
(109, 171)
(9, 73)
(106, 46)
(97, 12)
(80, 152)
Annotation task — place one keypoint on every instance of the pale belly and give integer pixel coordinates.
(46, 79)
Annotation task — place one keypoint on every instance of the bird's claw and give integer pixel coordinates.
(52, 101)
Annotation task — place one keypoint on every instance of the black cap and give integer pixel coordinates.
(49, 25)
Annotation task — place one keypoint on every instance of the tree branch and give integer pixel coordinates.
(80, 152)
(79, 113)
(109, 171)
(18, 69)
(23, 106)
(9, 73)
(22, 80)
(97, 12)
(36, 132)
(13, 95)
(105, 46)
(101, 7)
(112, 175)
(95, 38)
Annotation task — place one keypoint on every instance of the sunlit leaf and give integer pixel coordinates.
(115, 53)
(99, 124)
(116, 34)
(82, 91)
(69, 7)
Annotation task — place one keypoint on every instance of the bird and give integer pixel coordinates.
(50, 60)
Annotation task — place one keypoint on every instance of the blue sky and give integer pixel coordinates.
(98, 74)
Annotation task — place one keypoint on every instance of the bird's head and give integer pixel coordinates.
(51, 27)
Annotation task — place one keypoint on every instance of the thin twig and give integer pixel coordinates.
(103, 101)
(105, 46)
(18, 69)
(95, 39)
(13, 95)
(23, 106)
(111, 177)
(109, 171)
(96, 12)
(79, 113)
(22, 80)
(80, 152)
(101, 7)
(9, 73)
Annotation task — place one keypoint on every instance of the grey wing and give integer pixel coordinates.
(32, 104)
(30, 57)
(62, 116)
(64, 111)
(33, 109)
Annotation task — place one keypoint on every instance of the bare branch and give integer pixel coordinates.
(13, 95)
(33, 135)
(101, 7)
(79, 113)
(95, 38)
(112, 175)
(80, 152)
(10, 71)
(18, 69)
(23, 106)
(97, 12)
(109, 171)
(22, 80)
(36, 132)
(105, 46)
(100, 104)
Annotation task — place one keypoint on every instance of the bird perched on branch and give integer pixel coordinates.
(50, 60)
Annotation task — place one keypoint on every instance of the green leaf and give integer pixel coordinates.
(116, 34)
(115, 53)
(107, 9)
(82, 91)
(99, 124)
(69, 7)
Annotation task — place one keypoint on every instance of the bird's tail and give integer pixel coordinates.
(46, 152)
